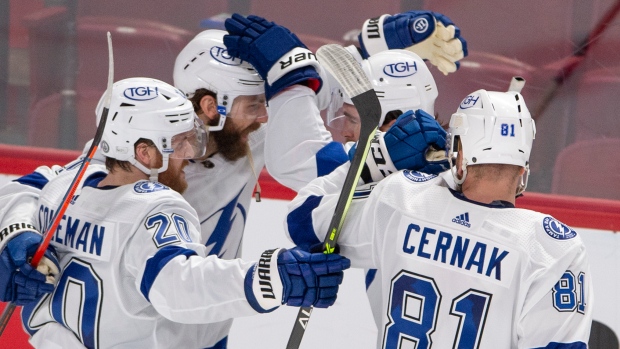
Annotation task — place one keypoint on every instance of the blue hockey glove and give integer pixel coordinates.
(295, 278)
(19, 282)
(311, 278)
(280, 58)
(416, 141)
(430, 35)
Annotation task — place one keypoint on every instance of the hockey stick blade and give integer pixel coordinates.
(77, 180)
(343, 66)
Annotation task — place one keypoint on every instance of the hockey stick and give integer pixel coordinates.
(575, 60)
(8, 311)
(341, 64)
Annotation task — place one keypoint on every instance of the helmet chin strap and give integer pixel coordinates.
(454, 170)
(153, 173)
(523, 181)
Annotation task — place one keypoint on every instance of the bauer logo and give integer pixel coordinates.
(144, 187)
(416, 176)
(143, 93)
(221, 55)
(105, 147)
(420, 25)
(557, 229)
(400, 69)
(469, 102)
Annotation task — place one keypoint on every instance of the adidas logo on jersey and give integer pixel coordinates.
(462, 219)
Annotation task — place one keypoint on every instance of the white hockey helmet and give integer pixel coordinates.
(151, 109)
(493, 128)
(401, 80)
(205, 63)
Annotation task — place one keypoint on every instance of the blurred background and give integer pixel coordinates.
(53, 66)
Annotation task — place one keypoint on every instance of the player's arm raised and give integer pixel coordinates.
(431, 35)
(297, 146)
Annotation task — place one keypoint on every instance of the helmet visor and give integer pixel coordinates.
(190, 144)
(249, 108)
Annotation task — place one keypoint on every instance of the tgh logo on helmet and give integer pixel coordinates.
(142, 93)
(400, 69)
(221, 55)
(469, 101)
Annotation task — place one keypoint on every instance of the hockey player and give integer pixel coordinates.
(403, 83)
(214, 80)
(135, 273)
(464, 268)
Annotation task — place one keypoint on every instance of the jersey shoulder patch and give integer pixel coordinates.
(418, 177)
(557, 229)
(144, 187)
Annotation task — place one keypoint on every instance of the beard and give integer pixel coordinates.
(174, 178)
(229, 140)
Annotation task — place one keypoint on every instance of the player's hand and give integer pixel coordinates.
(416, 141)
(430, 35)
(305, 279)
(280, 58)
(19, 282)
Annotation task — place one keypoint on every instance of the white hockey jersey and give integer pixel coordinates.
(455, 273)
(221, 193)
(134, 273)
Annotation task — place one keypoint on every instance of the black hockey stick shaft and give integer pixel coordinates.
(369, 109)
(10, 308)
(575, 60)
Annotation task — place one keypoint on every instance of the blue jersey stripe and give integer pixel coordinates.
(156, 263)
(221, 344)
(35, 180)
(370, 277)
(329, 158)
(299, 222)
(574, 345)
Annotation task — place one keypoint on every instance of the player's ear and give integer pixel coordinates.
(459, 160)
(146, 154)
(208, 109)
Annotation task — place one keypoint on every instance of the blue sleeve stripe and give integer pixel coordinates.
(34, 179)
(249, 293)
(370, 277)
(221, 344)
(330, 157)
(574, 345)
(299, 222)
(156, 263)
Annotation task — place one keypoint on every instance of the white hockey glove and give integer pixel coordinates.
(430, 35)
(295, 278)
